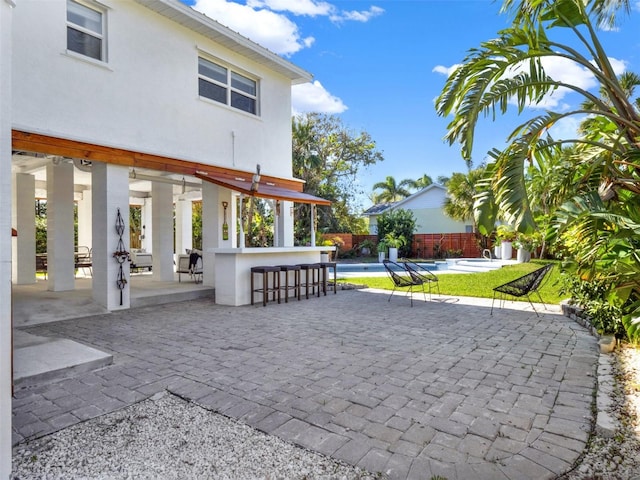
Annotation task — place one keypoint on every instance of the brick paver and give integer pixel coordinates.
(442, 388)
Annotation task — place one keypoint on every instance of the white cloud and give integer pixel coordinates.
(297, 7)
(313, 97)
(445, 70)
(566, 128)
(271, 30)
(358, 15)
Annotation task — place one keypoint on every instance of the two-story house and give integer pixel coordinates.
(105, 101)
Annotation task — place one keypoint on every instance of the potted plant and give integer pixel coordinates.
(527, 244)
(394, 242)
(366, 246)
(497, 248)
(507, 235)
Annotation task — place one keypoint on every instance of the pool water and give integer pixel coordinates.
(374, 267)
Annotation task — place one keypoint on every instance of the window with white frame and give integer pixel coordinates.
(85, 30)
(220, 84)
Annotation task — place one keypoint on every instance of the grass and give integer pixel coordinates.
(481, 284)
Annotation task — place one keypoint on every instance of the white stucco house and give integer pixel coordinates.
(110, 103)
(427, 206)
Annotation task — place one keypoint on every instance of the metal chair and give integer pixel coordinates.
(422, 273)
(402, 278)
(523, 286)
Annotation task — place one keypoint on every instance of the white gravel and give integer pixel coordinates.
(167, 438)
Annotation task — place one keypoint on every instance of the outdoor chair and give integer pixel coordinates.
(402, 278)
(523, 286)
(422, 273)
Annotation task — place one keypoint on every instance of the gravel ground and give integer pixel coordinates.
(167, 438)
(618, 457)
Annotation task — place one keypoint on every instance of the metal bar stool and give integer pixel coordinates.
(311, 279)
(325, 266)
(296, 280)
(265, 289)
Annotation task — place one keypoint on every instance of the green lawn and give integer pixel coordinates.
(480, 284)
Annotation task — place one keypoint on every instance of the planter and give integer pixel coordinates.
(507, 251)
(380, 257)
(497, 251)
(324, 257)
(393, 254)
(524, 255)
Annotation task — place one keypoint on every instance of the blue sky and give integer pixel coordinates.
(380, 64)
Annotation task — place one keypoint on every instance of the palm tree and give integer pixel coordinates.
(423, 182)
(461, 190)
(392, 191)
(486, 84)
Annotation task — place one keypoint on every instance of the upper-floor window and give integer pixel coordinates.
(85, 30)
(223, 85)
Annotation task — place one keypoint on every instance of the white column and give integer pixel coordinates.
(24, 221)
(162, 244)
(285, 224)
(5, 238)
(313, 224)
(85, 237)
(60, 241)
(212, 219)
(110, 192)
(184, 226)
(147, 224)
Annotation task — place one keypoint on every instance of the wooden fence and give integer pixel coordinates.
(424, 245)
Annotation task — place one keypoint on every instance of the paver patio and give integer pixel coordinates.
(442, 388)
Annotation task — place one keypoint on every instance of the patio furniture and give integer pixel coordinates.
(190, 265)
(83, 260)
(311, 278)
(41, 264)
(402, 278)
(264, 289)
(325, 266)
(296, 280)
(523, 286)
(423, 274)
(141, 259)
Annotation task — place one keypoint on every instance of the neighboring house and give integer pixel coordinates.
(105, 101)
(427, 206)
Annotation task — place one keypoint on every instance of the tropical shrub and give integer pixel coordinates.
(399, 223)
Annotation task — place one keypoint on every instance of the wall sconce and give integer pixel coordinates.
(278, 207)
(225, 225)
(255, 181)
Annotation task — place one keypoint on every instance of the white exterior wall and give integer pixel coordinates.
(6, 17)
(145, 97)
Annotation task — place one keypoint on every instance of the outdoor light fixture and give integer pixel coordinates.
(184, 185)
(256, 179)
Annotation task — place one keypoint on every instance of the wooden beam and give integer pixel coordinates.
(45, 144)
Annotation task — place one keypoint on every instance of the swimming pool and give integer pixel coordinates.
(374, 267)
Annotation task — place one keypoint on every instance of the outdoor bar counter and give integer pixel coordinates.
(232, 268)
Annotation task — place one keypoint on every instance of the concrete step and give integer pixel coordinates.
(39, 359)
(472, 266)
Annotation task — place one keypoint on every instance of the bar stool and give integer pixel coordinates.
(325, 266)
(265, 289)
(296, 280)
(312, 277)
